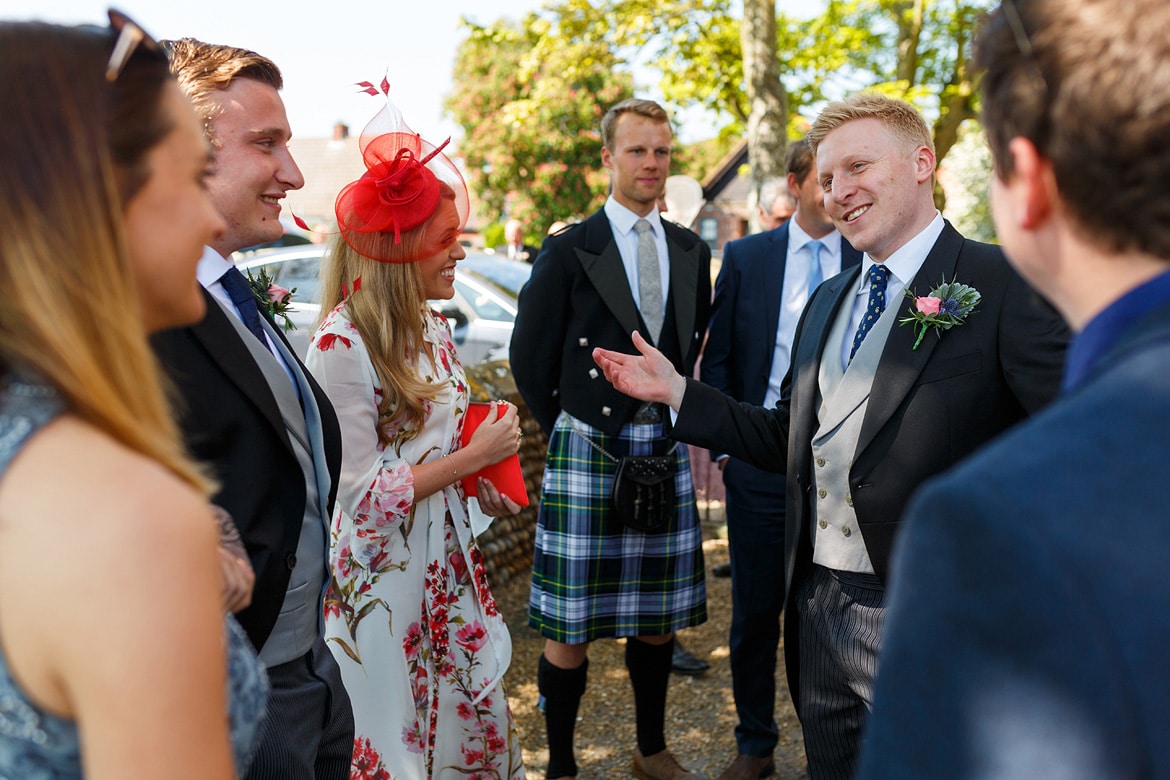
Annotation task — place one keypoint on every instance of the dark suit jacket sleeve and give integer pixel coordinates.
(714, 420)
(539, 333)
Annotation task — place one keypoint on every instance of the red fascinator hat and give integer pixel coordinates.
(401, 188)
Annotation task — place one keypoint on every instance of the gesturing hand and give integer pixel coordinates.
(648, 376)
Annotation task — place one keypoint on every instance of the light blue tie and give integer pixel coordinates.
(815, 275)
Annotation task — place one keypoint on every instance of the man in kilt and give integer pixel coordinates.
(593, 577)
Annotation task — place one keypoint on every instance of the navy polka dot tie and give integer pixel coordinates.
(878, 276)
(241, 294)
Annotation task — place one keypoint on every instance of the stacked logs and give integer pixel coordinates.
(507, 543)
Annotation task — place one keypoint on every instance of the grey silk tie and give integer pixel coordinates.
(649, 280)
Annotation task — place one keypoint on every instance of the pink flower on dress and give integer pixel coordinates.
(465, 710)
(928, 304)
(472, 636)
(412, 641)
(413, 739)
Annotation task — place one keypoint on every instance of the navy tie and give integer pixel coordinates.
(245, 300)
(878, 276)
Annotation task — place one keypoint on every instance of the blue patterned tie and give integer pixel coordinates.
(245, 300)
(878, 276)
(815, 275)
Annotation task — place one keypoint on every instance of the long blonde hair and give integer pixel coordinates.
(73, 153)
(388, 312)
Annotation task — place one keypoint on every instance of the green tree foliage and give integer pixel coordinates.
(530, 103)
(530, 95)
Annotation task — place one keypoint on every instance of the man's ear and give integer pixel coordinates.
(924, 163)
(1032, 185)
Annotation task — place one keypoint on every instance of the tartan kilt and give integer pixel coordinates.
(591, 576)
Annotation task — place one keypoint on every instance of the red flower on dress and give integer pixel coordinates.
(327, 341)
(366, 764)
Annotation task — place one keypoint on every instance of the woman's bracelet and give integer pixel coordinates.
(454, 470)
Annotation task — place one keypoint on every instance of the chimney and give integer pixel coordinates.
(340, 131)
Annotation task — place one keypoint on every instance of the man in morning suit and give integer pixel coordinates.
(623, 269)
(253, 413)
(1027, 633)
(864, 415)
(764, 283)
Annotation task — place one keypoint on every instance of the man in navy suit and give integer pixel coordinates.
(868, 412)
(1027, 627)
(763, 286)
(251, 411)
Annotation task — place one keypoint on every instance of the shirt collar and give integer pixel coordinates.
(798, 238)
(212, 265)
(623, 219)
(908, 258)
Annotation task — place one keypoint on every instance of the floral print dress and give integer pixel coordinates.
(409, 615)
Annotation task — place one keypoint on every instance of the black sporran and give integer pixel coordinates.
(643, 492)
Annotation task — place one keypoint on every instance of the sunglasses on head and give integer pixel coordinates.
(130, 37)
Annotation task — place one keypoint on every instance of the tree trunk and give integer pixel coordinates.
(768, 119)
(911, 15)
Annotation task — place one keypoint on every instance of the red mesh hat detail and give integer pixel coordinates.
(400, 189)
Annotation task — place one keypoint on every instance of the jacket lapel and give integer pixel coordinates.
(602, 263)
(684, 277)
(217, 335)
(818, 318)
(901, 364)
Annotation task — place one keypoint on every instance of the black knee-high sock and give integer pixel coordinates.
(649, 667)
(562, 690)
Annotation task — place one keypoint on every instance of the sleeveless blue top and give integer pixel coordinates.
(37, 745)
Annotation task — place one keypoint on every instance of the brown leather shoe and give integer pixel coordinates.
(746, 767)
(660, 766)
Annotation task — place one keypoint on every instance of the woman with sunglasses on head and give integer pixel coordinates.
(114, 656)
(410, 616)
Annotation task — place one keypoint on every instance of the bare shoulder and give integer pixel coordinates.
(105, 538)
(84, 485)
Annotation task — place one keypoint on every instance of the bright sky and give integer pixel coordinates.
(324, 47)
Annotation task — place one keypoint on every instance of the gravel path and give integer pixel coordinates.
(700, 719)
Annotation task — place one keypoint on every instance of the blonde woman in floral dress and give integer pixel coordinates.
(411, 619)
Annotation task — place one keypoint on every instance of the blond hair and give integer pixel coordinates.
(388, 312)
(71, 314)
(900, 118)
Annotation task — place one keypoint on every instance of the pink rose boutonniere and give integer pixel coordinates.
(942, 308)
(271, 297)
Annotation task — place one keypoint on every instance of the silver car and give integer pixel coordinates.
(481, 314)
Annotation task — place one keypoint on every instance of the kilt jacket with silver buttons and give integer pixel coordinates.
(577, 299)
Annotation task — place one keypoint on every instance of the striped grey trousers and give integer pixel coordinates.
(308, 732)
(841, 618)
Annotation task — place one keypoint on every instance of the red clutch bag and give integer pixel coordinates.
(505, 475)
